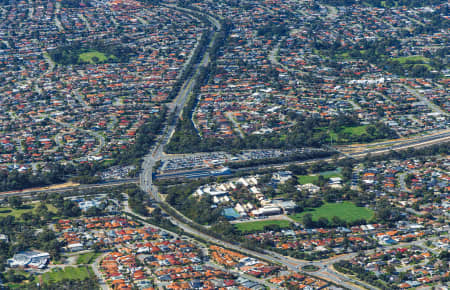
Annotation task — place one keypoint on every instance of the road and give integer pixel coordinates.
(425, 100)
(96, 269)
(80, 99)
(128, 210)
(57, 22)
(85, 21)
(236, 125)
(248, 277)
(274, 54)
(402, 182)
(99, 137)
(291, 264)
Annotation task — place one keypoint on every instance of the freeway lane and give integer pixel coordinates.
(178, 104)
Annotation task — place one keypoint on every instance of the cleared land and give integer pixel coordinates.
(70, 273)
(54, 186)
(87, 258)
(347, 211)
(259, 225)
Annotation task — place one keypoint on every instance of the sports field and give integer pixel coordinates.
(346, 211)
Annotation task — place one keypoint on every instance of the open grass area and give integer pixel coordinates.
(358, 130)
(346, 211)
(94, 57)
(304, 179)
(259, 225)
(87, 258)
(415, 59)
(70, 273)
(344, 55)
(350, 133)
(6, 211)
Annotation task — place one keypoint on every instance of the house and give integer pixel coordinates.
(4, 238)
(335, 182)
(267, 210)
(288, 206)
(387, 240)
(282, 176)
(75, 247)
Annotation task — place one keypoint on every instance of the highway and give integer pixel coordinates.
(35, 191)
(178, 104)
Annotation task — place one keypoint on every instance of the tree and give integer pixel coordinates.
(444, 256)
(322, 222)
(338, 221)
(42, 211)
(297, 169)
(70, 209)
(26, 216)
(308, 221)
(157, 213)
(15, 202)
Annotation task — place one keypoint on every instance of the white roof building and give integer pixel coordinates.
(29, 258)
(269, 210)
(75, 247)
